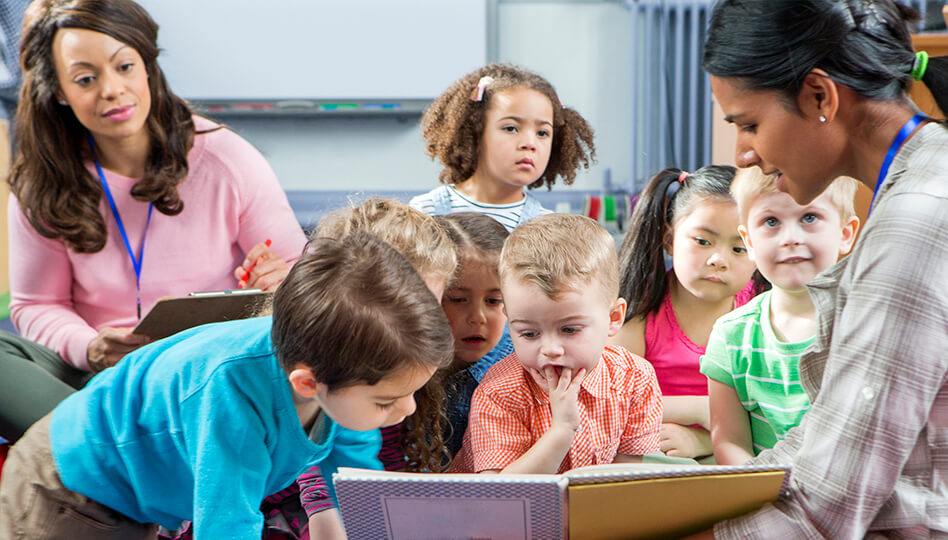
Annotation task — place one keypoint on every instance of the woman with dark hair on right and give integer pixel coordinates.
(817, 90)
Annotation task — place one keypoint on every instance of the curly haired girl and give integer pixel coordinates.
(498, 130)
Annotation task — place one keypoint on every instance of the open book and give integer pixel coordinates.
(602, 501)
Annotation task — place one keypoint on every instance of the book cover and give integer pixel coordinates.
(602, 501)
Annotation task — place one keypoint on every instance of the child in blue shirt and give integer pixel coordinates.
(202, 425)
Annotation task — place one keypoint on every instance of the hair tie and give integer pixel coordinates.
(682, 177)
(482, 85)
(919, 65)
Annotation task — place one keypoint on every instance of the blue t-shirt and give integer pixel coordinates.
(200, 426)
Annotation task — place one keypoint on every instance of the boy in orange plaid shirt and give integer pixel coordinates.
(563, 400)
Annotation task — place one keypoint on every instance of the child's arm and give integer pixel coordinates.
(730, 426)
(686, 411)
(324, 519)
(546, 455)
(680, 436)
(685, 441)
(327, 525)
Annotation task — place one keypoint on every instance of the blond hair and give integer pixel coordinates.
(415, 235)
(561, 251)
(751, 183)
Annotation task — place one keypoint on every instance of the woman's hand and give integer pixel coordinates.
(267, 270)
(684, 441)
(106, 349)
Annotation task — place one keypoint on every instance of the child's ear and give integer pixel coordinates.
(303, 382)
(742, 230)
(850, 227)
(668, 236)
(616, 316)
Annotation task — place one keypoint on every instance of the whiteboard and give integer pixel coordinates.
(318, 49)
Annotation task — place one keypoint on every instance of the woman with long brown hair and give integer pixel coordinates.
(121, 196)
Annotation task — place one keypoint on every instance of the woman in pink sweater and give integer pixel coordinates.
(120, 197)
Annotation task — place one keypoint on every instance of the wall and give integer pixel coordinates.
(582, 47)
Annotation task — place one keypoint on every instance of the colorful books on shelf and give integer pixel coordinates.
(602, 501)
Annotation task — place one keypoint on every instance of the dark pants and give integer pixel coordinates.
(33, 380)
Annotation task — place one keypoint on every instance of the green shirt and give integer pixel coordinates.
(744, 353)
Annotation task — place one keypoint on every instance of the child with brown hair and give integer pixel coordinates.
(224, 408)
(414, 445)
(498, 130)
(564, 399)
(475, 310)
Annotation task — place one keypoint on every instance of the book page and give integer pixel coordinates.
(458, 518)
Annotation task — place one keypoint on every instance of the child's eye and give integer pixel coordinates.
(495, 301)
(385, 406)
(771, 222)
(529, 334)
(543, 133)
(740, 250)
(570, 330)
(455, 299)
(810, 218)
(510, 129)
(701, 241)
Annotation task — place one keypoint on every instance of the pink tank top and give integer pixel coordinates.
(673, 355)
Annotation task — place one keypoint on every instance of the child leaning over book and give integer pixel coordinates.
(753, 352)
(563, 400)
(202, 425)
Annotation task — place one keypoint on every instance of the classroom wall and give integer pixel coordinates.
(583, 48)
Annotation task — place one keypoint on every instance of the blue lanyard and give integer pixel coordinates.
(136, 263)
(903, 134)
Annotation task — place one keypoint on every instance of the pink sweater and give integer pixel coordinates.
(232, 201)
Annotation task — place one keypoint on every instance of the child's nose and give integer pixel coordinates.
(406, 406)
(477, 315)
(791, 235)
(718, 259)
(551, 347)
(529, 141)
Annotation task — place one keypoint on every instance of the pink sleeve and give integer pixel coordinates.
(265, 211)
(41, 282)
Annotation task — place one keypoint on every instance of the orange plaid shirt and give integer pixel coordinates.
(620, 407)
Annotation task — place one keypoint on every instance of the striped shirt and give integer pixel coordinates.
(871, 456)
(508, 215)
(744, 353)
(620, 408)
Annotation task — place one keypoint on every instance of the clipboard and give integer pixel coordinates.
(172, 315)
